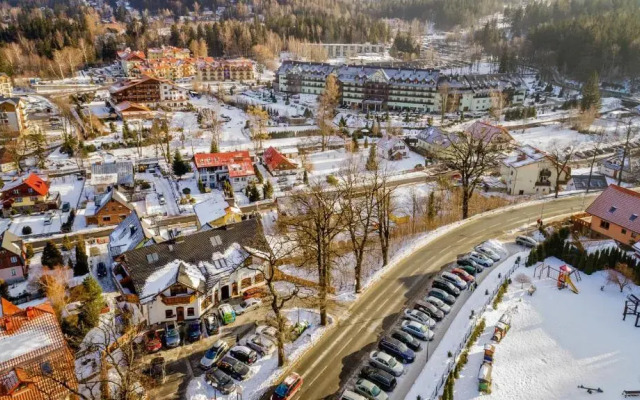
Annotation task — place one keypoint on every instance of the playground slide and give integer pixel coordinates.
(571, 285)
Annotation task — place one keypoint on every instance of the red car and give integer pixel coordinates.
(464, 275)
(152, 341)
(288, 388)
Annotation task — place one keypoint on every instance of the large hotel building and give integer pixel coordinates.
(381, 88)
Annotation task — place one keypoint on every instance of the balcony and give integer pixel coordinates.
(181, 299)
(545, 183)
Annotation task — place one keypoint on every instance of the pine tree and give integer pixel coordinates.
(82, 262)
(259, 176)
(591, 93)
(305, 177)
(431, 208)
(92, 304)
(267, 190)
(66, 243)
(372, 162)
(355, 146)
(254, 194)
(179, 166)
(214, 146)
(4, 289)
(51, 256)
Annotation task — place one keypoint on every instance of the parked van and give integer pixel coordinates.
(227, 315)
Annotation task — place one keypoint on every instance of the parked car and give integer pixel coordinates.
(227, 315)
(220, 381)
(386, 362)
(370, 390)
(102, 270)
(440, 283)
(429, 309)
(488, 252)
(438, 303)
(152, 341)
(470, 265)
(407, 339)
(261, 344)
(215, 353)
(442, 295)
(234, 368)
(171, 335)
(462, 274)
(526, 241)
(483, 260)
(288, 388)
(212, 325)
(419, 316)
(244, 354)
(66, 207)
(350, 395)
(397, 349)
(454, 279)
(383, 379)
(158, 370)
(194, 332)
(162, 200)
(269, 331)
(417, 329)
(48, 218)
(247, 305)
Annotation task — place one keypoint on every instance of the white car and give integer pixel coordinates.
(269, 331)
(214, 354)
(455, 279)
(488, 252)
(481, 259)
(247, 305)
(526, 241)
(438, 303)
(261, 344)
(419, 316)
(386, 362)
(370, 390)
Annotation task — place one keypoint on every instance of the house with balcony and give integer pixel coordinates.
(150, 92)
(110, 208)
(13, 120)
(185, 277)
(531, 171)
(614, 214)
(13, 260)
(28, 194)
(213, 169)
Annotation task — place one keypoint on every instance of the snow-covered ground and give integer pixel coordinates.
(559, 340)
(265, 371)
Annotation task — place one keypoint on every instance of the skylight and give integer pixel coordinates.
(613, 209)
(633, 217)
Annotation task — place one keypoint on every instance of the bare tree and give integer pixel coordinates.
(621, 276)
(472, 155)
(315, 222)
(629, 134)
(498, 103)
(327, 102)
(443, 91)
(560, 158)
(600, 136)
(522, 279)
(384, 204)
(259, 118)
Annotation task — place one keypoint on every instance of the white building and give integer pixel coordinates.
(531, 171)
(392, 148)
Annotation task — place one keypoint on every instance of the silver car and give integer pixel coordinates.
(438, 303)
(261, 344)
(386, 362)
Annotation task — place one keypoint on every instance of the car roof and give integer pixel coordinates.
(383, 355)
(241, 349)
(363, 382)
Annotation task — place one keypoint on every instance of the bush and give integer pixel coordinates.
(332, 180)
(186, 191)
(26, 230)
(145, 185)
(500, 294)
(29, 250)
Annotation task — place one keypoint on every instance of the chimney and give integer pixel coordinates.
(9, 325)
(31, 313)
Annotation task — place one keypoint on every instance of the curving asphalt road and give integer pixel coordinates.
(328, 366)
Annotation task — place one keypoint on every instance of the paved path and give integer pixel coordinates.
(330, 364)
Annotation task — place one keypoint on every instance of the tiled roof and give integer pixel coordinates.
(237, 162)
(488, 132)
(276, 161)
(619, 206)
(33, 181)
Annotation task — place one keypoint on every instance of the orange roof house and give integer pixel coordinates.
(616, 214)
(276, 163)
(34, 356)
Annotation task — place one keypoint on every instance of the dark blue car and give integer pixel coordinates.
(397, 349)
(194, 333)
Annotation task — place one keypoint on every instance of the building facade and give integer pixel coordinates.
(110, 208)
(336, 50)
(224, 70)
(28, 194)
(13, 266)
(150, 91)
(614, 214)
(6, 87)
(213, 169)
(419, 90)
(531, 171)
(12, 116)
(278, 164)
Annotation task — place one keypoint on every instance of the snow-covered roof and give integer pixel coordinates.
(215, 207)
(525, 155)
(128, 235)
(177, 271)
(122, 169)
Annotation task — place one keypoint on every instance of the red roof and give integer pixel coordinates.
(276, 161)
(237, 162)
(619, 206)
(33, 181)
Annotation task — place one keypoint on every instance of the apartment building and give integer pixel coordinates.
(213, 169)
(380, 89)
(150, 91)
(155, 53)
(335, 50)
(224, 70)
(531, 171)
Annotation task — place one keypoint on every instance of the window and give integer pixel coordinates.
(14, 260)
(106, 219)
(46, 368)
(613, 209)
(168, 313)
(190, 312)
(633, 217)
(13, 272)
(604, 224)
(624, 231)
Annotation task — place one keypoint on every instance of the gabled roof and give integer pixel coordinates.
(123, 170)
(33, 181)
(276, 161)
(201, 247)
(487, 132)
(215, 207)
(128, 235)
(619, 206)
(105, 198)
(128, 106)
(9, 241)
(387, 143)
(238, 163)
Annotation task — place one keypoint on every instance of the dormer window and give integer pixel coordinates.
(633, 217)
(613, 209)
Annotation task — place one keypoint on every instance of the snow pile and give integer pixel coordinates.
(559, 340)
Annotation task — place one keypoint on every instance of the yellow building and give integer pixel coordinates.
(12, 116)
(216, 211)
(6, 88)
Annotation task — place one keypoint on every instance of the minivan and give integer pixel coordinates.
(227, 315)
(526, 241)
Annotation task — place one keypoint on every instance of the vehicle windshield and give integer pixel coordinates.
(392, 362)
(211, 353)
(375, 390)
(172, 333)
(282, 390)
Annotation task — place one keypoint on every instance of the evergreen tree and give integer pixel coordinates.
(214, 146)
(228, 189)
(591, 93)
(366, 142)
(4, 289)
(29, 251)
(92, 304)
(267, 190)
(82, 262)
(431, 208)
(180, 167)
(305, 177)
(66, 243)
(254, 194)
(355, 146)
(372, 161)
(259, 176)
(51, 256)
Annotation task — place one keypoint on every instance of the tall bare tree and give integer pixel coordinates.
(600, 137)
(384, 204)
(629, 133)
(472, 155)
(443, 92)
(560, 157)
(259, 118)
(327, 103)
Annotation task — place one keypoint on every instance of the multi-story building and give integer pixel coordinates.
(36, 363)
(12, 117)
(129, 60)
(110, 208)
(184, 278)
(224, 70)
(614, 213)
(28, 194)
(437, 143)
(13, 266)
(213, 169)
(335, 50)
(6, 87)
(420, 90)
(531, 171)
(155, 53)
(150, 91)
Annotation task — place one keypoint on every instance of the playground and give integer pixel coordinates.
(563, 339)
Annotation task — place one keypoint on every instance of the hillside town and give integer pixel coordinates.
(247, 200)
